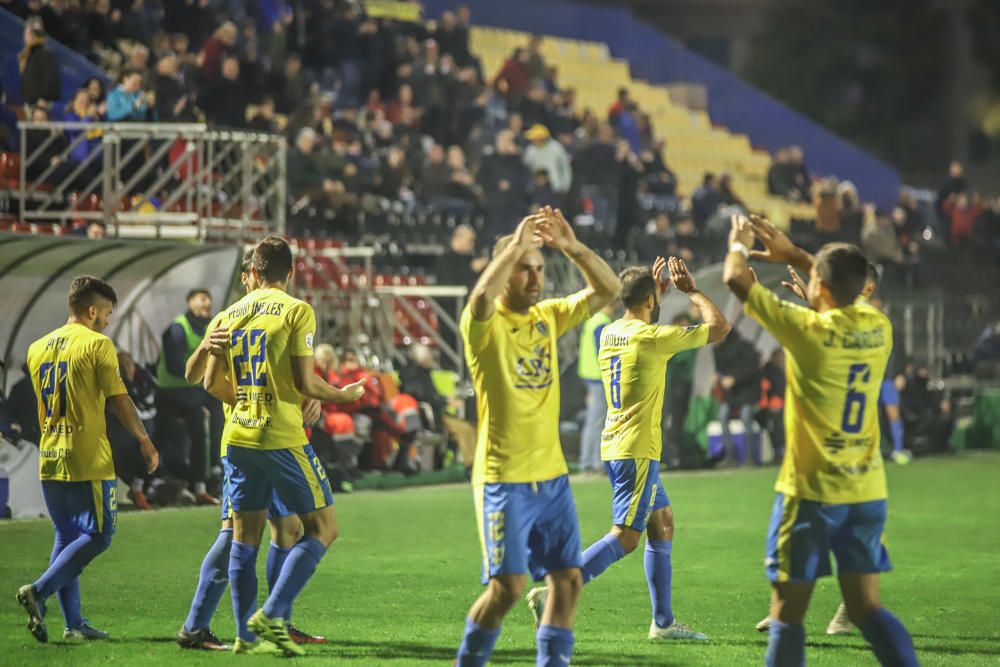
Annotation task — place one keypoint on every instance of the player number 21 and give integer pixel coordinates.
(248, 364)
(616, 382)
(854, 404)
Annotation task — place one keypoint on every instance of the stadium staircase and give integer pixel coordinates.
(693, 144)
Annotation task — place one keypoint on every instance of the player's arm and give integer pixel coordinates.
(313, 386)
(718, 326)
(197, 363)
(125, 410)
(494, 277)
(217, 381)
(602, 283)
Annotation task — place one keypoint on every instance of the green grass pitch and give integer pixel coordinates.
(395, 588)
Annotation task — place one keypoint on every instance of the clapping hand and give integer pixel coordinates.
(797, 286)
(778, 248)
(680, 276)
(556, 230)
(659, 267)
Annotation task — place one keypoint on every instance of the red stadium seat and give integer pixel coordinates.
(10, 170)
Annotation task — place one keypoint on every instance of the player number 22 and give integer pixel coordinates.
(854, 405)
(248, 365)
(616, 382)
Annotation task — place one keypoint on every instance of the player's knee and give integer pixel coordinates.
(507, 591)
(629, 539)
(569, 584)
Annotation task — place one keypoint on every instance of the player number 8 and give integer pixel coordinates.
(615, 385)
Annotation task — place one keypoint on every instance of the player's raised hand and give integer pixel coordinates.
(797, 286)
(741, 231)
(680, 276)
(312, 410)
(556, 230)
(659, 269)
(218, 341)
(149, 455)
(353, 391)
(528, 235)
(778, 247)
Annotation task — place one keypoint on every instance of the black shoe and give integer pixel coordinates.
(203, 639)
(28, 598)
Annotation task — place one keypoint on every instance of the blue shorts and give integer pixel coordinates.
(527, 528)
(636, 490)
(82, 507)
(804, 532)
(277, 510)
(888, 395)
(295, 476)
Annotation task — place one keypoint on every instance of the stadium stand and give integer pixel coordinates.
(369, 134)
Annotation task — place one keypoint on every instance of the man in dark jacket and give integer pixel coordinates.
(738, 365)
(180, 407)
(225, 99)
(505, 183)
(40, 79)
(22, 409)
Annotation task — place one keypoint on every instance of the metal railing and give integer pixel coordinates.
(162, 180)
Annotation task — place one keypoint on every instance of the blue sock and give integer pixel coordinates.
(70, 563)
(275, 559)
(890, 641)
(69, 595)
(555, 646)
(243, 580)
(299, 566)
(786, 646)
(659, 575)
(212, 582)
(601, 555)
(477, 645)
(896, 428)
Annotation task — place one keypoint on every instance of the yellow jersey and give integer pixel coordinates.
(633, 360)
(267, 328)
(514, 363)
(834, 364)
(73, 370)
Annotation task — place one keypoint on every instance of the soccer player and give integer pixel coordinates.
(524, 507)
(74, 369)
(633, 356)
(264, 372)
(831, 490)
(286, 527)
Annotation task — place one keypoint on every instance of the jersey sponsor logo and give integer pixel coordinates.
(534, 372)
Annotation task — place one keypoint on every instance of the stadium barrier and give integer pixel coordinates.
(154, 180)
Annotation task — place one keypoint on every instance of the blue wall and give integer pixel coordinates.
(73, 68)
(656, 58)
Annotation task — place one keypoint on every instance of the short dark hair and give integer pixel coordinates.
(247, 264)
(871, 274)
(84, 290)
(198, 290)
(844, 268)
(273, 259)
(638, 285)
